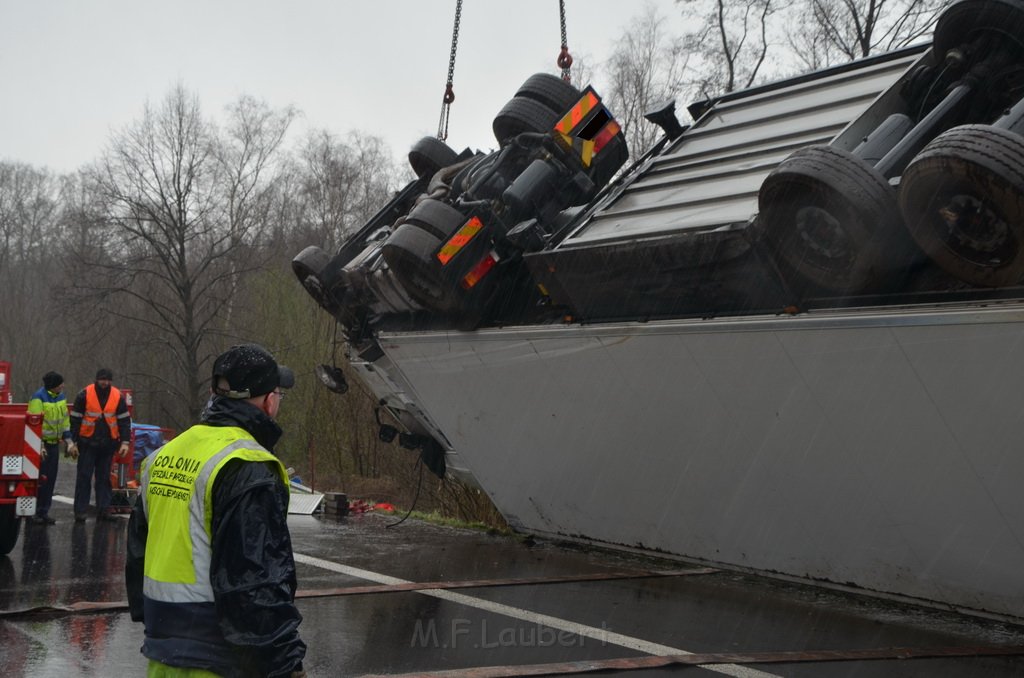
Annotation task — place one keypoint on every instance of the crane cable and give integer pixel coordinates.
(564, 60)
(449, 93)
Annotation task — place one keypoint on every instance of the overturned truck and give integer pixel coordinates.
(787, 339)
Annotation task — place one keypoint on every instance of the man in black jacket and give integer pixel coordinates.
(100, 427)
(215, 584)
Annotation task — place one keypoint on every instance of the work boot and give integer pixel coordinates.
(43, 520)
(79, 517)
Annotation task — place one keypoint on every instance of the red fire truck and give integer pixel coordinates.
(20, 457)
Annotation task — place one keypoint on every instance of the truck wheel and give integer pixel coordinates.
(430, 154)
(308, 266)
(833, 221)
(436, 217)
(963, 201)
(409, 253)
(965, 20)
(522, 115)
(10, 525)
(549, 90)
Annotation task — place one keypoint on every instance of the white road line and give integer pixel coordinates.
(602, 635)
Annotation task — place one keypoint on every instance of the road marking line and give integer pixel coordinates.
(602, 635)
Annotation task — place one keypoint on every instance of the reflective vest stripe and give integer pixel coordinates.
(93, 412)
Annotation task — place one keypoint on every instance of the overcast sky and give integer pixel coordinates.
(73, 71)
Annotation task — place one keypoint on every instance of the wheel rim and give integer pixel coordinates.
(976, 231)
(823, 235)
(832, 222)
(963, 200)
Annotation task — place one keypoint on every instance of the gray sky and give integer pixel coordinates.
(73, 71)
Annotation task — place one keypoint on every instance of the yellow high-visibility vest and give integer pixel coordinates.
(177, 491)
(55, 416)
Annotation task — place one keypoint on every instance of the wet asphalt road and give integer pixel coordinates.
(396, 632)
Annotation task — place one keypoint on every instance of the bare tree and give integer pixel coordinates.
(245, 156)
(733, 42)
(826, 32)
(342, 184)
(180, 205)
(646, 68)
(30, 270)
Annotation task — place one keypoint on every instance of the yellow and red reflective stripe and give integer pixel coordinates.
(578, 112)
(482, 268)
(459, 240)
(610, 129)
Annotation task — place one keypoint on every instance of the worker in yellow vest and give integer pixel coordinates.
(50, 402)
(209, 566)
(100, 427)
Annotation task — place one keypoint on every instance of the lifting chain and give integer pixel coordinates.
(564, 58)
(449, 93)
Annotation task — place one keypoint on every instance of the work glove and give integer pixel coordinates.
(72, 449)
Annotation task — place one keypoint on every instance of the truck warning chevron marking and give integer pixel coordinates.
(587, 127)
(459, 240)
(578, 112)
(31, 457)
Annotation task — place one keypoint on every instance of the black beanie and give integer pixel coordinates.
(104, 373)
(52, 380)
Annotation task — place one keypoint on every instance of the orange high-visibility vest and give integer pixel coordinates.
(93, 411)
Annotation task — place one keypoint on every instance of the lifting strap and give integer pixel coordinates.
(449, 93)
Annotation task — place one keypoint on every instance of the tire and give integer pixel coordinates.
(308, 266)
(832, 221)
(522, 115)
(437, 218)
(409, 253)
(430, 154)
(963, 21)
(962, 199)
(550, 90)
(10, 526)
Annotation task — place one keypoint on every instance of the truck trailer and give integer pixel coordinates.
(788, 339)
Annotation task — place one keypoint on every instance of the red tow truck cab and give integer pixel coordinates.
(20, 458)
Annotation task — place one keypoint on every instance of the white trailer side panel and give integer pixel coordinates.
(882, 451)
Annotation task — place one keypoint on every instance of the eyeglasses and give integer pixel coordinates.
(279, 394)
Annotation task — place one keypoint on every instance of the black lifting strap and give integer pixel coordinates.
(449, 93)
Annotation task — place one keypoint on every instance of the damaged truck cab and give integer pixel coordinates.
(448, 249)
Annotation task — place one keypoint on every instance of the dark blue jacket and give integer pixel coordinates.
(252, 627)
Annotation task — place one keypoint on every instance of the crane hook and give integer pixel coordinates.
(564, 58)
